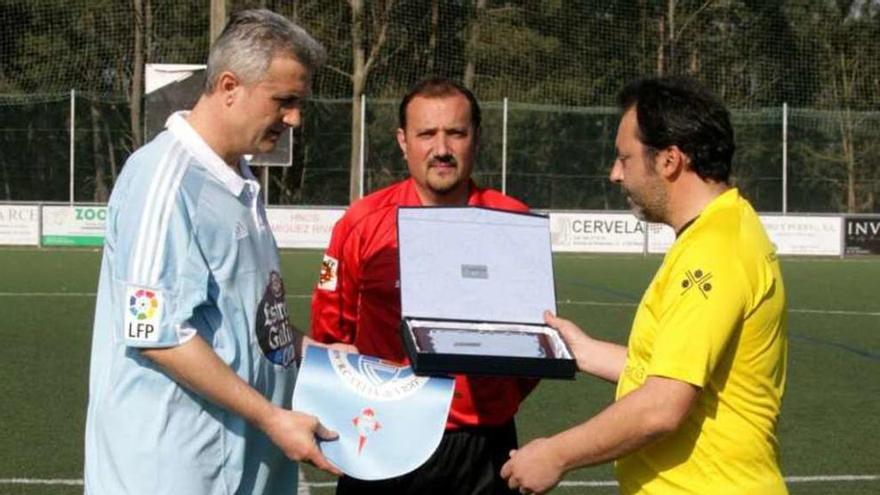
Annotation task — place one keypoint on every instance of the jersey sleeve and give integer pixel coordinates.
(334, 299)
(703, 307)
(161, 274)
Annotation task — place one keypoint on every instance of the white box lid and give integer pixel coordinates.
(475, 264)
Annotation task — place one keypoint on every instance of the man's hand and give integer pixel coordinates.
(534, 468)
(339, 346)
(603, 359)
(295, 434)
(576, 339)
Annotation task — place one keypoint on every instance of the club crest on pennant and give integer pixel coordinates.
(366, 424)
(373, 378)
(389, 420)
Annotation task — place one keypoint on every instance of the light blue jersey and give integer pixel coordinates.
(188, 251)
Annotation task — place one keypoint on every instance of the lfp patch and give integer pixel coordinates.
(389, 420)
(143, 313)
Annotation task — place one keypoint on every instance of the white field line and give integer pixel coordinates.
(561, 301)
(329, 484)
(302, 487)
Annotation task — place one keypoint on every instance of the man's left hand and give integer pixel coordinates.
(534, 468)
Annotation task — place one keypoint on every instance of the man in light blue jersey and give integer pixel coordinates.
(193, 356)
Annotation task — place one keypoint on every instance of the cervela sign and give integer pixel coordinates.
(581, 232)
(603, 232)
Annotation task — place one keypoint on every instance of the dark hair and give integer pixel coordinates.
(678, 111)
(436, 87)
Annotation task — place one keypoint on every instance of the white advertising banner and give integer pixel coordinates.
(74, 225)
(303, 228)
(804, 235)
(19, 225)
(660, 237)
(597, 233)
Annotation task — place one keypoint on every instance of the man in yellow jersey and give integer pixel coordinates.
(700, 383)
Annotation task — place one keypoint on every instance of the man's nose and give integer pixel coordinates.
(616, 174)
(441, 147)
(292, 117)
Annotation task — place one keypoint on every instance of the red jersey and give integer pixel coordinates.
(357, 299)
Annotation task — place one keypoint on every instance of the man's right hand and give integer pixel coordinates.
(576, 339)
(295, 434)
(596, 357)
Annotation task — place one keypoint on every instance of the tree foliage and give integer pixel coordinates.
(559, 62)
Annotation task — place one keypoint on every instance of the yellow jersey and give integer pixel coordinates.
(714, 316)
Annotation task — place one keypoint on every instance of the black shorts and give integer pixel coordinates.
(467, 461)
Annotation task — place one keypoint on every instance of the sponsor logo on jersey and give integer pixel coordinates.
(273, 324)
(699, 279)
(327, 279)
(143, 314)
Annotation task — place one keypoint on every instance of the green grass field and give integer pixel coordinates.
(830, 425)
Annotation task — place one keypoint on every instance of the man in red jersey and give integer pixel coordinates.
(357, 299)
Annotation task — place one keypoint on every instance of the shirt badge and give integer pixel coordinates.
(699, 279)
(143, 312)
(327, 279)
(241, 231)
(273, 323)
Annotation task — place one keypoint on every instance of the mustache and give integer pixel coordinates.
(447, 159)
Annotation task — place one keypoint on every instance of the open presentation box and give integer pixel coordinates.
(474, 284)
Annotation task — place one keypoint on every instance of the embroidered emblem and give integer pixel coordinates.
(699, 279)
(241, 231)
(327, 279)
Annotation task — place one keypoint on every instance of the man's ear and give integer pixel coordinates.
(229, 87)
(401, 141)
(672, 162)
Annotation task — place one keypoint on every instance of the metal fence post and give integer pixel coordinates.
(784, 158)
(504, 147)
(72, 139)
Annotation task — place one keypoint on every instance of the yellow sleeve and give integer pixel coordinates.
(703, 305)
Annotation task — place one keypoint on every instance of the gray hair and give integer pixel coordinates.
(250, 41)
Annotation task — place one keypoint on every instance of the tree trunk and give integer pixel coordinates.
(136, 96)
(694, 63)
(111, 150)
(102, 192)
(218, 19)
(432, 39)
(643, 37)
(849, 158)
(847, 133)
(473, 37)
(670, 34)
(361, 65)
(661, 45)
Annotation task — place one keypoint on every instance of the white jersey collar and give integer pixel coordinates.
(180, 128)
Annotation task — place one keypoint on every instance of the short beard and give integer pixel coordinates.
(445, 188)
